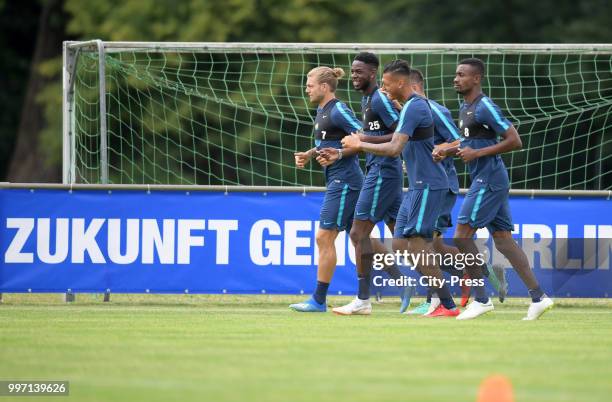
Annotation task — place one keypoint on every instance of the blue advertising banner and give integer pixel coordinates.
(213, 242)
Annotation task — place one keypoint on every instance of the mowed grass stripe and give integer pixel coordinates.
(252, 348)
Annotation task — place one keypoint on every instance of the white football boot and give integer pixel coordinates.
(539, 308)
(475, 309)
(355, 307)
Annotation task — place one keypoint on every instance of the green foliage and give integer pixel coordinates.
(214, 21)
(50, 137)
(319, 21)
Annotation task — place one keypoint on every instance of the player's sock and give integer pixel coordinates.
(320, 293)
(364, 287)
(393, 271)
(452, 270)
(465, 290)
(489, 273)
(430, 293)
(480, 293)
(536, 294)
(445, 297)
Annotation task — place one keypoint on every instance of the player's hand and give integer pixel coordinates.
(395, 102)
(327, 156)
(351, 142)
(438, 153)
(302, 159)
(467, 154)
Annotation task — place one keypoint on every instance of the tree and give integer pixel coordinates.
(32, 158)
(400, 21)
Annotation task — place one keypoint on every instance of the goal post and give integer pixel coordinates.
(233, 113)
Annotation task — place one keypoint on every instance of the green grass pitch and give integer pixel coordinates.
(252, 348)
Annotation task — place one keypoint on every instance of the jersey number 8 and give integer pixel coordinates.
(466, 132)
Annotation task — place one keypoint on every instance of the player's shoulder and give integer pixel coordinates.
(486, 104)
(488, 112)
(381, 102)
(342, 116)
(439, 107)
(379, 98)
(418, 105)
(340, 108)
(486, 109)
(378, 95)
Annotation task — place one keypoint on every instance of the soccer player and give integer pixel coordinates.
(446, 132)
(428, 184)
(486, 203)
(381, 194)
(343, 175)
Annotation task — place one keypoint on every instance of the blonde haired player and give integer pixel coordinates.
(343, 176)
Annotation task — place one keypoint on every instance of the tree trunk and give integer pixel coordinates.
(28, 163)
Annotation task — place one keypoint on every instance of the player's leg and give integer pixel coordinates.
(359, 235)
(379, 194)
(464, 239)
(326, 266)
(395, 200)
(392, 270)
(394, 195)
(443, 223)
(478, 209)
(380, 199)
(336, 215)
(364, 251)
(424, 209)
(326, 240)
(360, 238)
(433, 273)
(494, 274)
(364, 222)
(405, 292)
(501, 228)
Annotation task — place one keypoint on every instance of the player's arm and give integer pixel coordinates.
(447, 130)
(375, 139)
(445, 149)
(302, 158)
(392, 148)
(511, 141)
(328, 156)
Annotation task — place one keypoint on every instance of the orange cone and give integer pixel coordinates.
(495, 388)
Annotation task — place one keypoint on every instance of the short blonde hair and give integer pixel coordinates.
(327, 75)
